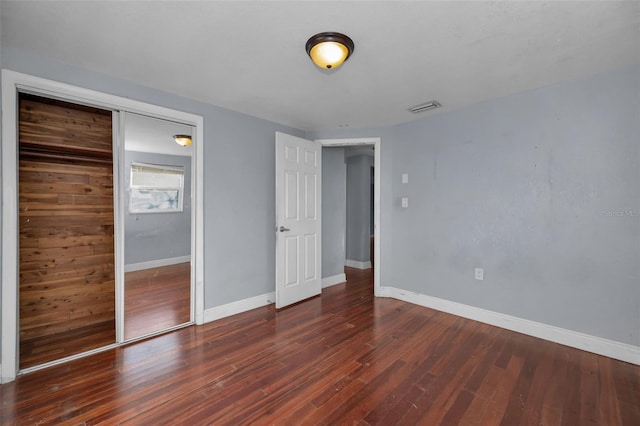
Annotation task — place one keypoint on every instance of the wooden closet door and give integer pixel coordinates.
(66, 220)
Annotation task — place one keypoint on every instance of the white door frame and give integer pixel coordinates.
(14, 82)
(376, 197)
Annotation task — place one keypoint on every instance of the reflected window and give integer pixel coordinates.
(156, 188)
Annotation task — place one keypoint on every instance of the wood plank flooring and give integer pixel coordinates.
(342, 358)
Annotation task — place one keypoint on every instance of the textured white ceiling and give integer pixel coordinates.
(249, 56)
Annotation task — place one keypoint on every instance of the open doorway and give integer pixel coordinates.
(359, 161)
(350, 208)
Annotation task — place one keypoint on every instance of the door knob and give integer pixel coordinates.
(283, 229)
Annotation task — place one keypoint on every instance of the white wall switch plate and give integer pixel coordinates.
(405, 202)
(405, 178)
(479, 274)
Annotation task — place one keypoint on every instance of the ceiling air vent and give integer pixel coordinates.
(425, 107)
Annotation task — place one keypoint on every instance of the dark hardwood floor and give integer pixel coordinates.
(342, 358)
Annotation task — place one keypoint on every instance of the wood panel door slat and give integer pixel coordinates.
(66, 217)
(63, 128)
(82, 170)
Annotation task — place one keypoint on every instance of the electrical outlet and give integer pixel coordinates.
(405, 178)
(479, 274)
(405, 202)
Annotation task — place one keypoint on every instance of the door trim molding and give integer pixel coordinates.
(15, 82)
(376, 142)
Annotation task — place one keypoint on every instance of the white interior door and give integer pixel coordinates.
(298, 224)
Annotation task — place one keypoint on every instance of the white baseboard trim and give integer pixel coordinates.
(233, 308)
(357, 264)
(336, 279)
(156, 263)
(223, 311)
(574, 339)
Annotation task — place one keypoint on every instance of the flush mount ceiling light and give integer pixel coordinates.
(184, 140)
(329, 50)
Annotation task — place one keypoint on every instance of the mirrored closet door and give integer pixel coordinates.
(157, 181)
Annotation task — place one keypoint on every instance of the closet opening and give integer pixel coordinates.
(63, 230)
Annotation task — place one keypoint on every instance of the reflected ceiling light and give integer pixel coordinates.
(329, 50)
(184, 140)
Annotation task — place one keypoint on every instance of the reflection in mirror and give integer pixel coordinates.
(157, 226)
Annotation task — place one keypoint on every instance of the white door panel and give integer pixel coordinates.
(310, 184)
(310, 249)
(298, 206)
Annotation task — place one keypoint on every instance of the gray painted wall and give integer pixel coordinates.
(359, 207)
(334, 211)
(532, 188)
(162, 235)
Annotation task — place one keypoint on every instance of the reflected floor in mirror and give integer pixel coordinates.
(156, 299)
